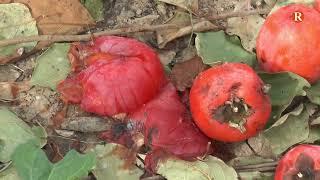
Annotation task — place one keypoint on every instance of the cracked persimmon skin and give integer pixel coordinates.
(301, 162)
(285, 43)
(214, 87)
(119, 76)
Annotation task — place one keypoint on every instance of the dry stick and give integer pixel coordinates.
(239, 14)
(86, 37)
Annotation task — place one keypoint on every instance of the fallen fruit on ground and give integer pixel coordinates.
(168, 126)
(289, 40)
(228, 102)
(301, 162)
(115, 75)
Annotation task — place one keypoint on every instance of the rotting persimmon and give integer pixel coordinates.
(228, 102)
(289, 40)
(167, 127)
(301, 162)
(117, 75)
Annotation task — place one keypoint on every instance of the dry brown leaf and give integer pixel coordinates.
(180, 18)
(189, 5)
(10, 90)
(166, 56)
(247, 28)
(184, 73)
(198, 27)
(54, 17)
(58, 17)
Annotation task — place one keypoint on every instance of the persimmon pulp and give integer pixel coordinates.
(228, 102)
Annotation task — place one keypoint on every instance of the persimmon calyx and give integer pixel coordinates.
(234, 112)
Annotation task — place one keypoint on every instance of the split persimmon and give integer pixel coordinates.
(289, 40)
(228, 102)
(118, 76)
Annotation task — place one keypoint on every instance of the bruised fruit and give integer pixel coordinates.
(117, 75)
(169, 127)
(228, 102)
(301, 162)
(289, 40)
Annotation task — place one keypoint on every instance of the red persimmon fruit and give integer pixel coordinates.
(121, 74)
(301, 162)
(289, 40)
(228, 102)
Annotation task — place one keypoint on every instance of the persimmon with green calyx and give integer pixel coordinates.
(113, 75)
(289, 40)
(228, 102)
(301, 162)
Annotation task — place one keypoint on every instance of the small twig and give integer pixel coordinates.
(238, 14)
(85, 37)
(126, 30)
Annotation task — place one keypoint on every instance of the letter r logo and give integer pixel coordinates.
(297, 16)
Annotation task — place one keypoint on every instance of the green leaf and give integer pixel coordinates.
(211, 168)
(40, 132)
(16, 21)
(314, 135)
(289, 130)
(248, 160)
(73, 166)
(284, 87)
(32, 164)
(214, 47)
(256, 175)
(95, 8)
(13, 132)
(313, 93)
(52, 66)
(110, 166)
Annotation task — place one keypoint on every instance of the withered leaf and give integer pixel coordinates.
(184, 73)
